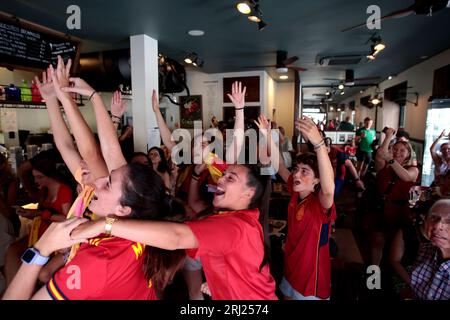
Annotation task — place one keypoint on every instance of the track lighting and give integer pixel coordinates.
(244, 7)
(376, 47)
(252, 9)
(342, 92)
(193, 58)
(341, 86)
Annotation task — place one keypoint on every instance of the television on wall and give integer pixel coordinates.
(27, 46)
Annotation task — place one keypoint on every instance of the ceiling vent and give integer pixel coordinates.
(341, 60)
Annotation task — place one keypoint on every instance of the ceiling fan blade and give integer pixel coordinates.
(290, 60)
(298, 68)
(396, 14)
(254, 67)
(366, 78)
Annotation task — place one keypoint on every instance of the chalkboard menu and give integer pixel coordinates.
(25, 46)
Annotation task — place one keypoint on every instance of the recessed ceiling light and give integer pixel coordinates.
(341, 86)
(196, 33)
(390, 77)
(361, 91)
(284, 77)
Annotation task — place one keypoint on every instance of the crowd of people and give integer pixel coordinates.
(130, 221)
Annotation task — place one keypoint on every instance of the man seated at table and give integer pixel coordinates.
(430, 278)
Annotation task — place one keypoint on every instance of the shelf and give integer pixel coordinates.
(26, 104)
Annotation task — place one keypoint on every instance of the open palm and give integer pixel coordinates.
(45, 86)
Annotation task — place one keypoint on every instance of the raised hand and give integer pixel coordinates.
(79, 86)
(263, 124)
(390, 132)
(118, 106)
(237, 95)
(45, 86)
(60, 77)
(309, 130)
(155, 102)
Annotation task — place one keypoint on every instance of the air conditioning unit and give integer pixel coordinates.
(342, 60)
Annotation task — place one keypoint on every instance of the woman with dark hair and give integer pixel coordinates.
(140, 157)
(160, 165)
(110, 267)
(228, 238)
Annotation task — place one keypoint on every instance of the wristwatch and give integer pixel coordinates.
(108, 224)
(33, 256)
(391, 162)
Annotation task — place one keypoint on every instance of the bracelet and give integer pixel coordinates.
(195, 174)
(92, 94)
(114, 116)
(317, 146)
(196, 178)
(239, 108)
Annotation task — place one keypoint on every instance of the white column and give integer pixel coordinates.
(144, 78)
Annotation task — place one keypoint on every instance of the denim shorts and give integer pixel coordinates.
(289, 291)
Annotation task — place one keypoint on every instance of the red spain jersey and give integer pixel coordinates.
(231, 248)
(103, 269)
(307, 265)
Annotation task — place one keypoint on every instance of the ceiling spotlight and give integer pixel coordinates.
(284, 77)
(390, 77)
(339, 109)
(190, 57)
(244, 7)
(342, 92)
(360, 91)
(378, 44)
(327, 93)
(261, 25)
(341, 86)
(254, 18)
(331, 109)
(188, 60)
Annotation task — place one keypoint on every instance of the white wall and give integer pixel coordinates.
(420, 78)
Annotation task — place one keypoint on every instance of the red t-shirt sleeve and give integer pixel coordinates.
(82, 278)
(215, 235)
(65, 194)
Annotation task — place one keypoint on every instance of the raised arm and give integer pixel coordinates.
(383, 151)
(118, 107)
(237, 96)
(61, 135)
(265, 130)
(86, 143)
(109, 143)
(310, 132)
(436, 159)
(164, 235)
(194, 200)
(166, 135)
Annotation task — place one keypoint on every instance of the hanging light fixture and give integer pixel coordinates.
(375, 100)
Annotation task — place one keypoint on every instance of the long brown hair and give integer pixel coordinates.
(144, 192)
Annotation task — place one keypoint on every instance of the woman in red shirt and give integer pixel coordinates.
(395, 176)
(307, 265)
